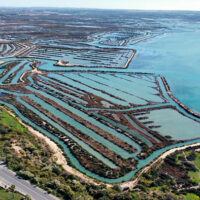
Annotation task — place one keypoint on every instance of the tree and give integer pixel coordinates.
(26, 174)
(117, 188)
(53, 184)
(12, 188)
(27, 198)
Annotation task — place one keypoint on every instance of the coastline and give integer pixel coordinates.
(186, 108)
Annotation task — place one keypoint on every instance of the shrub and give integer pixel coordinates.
(25, 174)
(53, 184)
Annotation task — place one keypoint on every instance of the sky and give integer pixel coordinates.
(108, 4)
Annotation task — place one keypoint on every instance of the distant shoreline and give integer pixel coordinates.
(98, 9)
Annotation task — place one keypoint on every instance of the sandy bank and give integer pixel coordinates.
(62, 63)
(2, 62)
(61, 160)
(57, 152)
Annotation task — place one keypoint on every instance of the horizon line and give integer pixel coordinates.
(117, 9)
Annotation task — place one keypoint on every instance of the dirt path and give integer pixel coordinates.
(58, 155)
(35, 70)
(57, 152)
(133, 183)
(61, 160)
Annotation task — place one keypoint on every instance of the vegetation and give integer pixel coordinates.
(175, 178)
(178, 177)
(10, 194)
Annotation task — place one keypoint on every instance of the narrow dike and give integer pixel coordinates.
(85, 159)
(91, 126)
(86, 139)
(187, 109)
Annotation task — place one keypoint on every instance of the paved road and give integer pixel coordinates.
(8, 178)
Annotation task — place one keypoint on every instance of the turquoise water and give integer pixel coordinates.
(117, 89)
(12, 71)
(172, 123)
(1, 70)
(66, 96)
(174, 55)
(81, 143)
(177, 57)
(75, 162)
(20, 73)
(87, 58)
(124, 128)
(82, 128)
(126, 86)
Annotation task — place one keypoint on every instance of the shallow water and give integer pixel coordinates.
(81, 143)
(174, 55)
(177, 57)
(172, 123)
(75, 162)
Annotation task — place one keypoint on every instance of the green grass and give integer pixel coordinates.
(195, 176)
(197, 160)
(10, 121)
(191, 197)
(179, 156)
(5, 195)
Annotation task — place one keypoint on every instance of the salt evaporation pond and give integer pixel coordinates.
(174, 55)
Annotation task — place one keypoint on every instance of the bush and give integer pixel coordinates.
(103, 194)
(26, 174)
(66, 192)
(56, 170)
(191, 157)
(124, 196)
(117, 188)
(3, 129)
(55, 184)
(190, 167)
